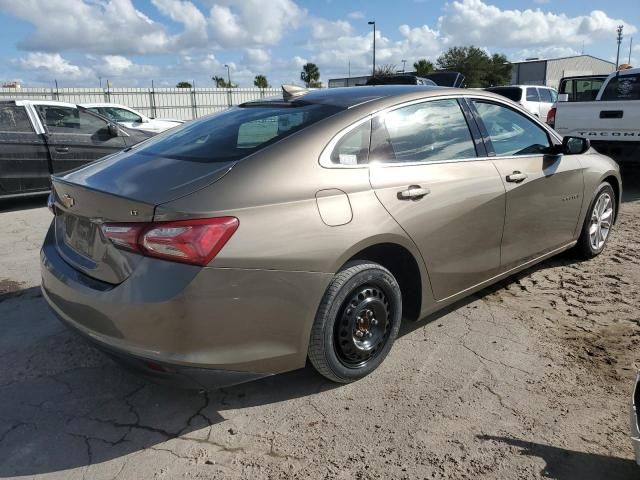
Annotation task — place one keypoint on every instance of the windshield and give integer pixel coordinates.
(236, 133)
(512, 93)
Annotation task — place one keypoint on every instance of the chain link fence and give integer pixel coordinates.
(177, 103)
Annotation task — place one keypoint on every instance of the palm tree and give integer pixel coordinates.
(220, 82)
(261, 81)
(310, 75)
(423, 67)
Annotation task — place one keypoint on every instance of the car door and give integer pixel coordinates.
(546, 101)
(76, 136)
(24, 159)
(436, 181)
(544, 191)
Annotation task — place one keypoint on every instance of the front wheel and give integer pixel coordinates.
(598, 222)
(357, 322)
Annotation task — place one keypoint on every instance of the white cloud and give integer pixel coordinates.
(241, 23)
(475, 22)
(545, 52)
(256, 57)
(356, 15)
(52, 64)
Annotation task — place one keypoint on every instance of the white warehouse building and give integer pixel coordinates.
(548, 72)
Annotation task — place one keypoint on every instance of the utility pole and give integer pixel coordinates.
(228, 75)
(404, 65)
(373, 70)
(619, 39)
(630, 45)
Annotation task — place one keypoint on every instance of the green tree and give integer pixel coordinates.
(310, 75)
(479, 69)
(261, 81)
(385, 70)
(184, 85)
(500, 71)
(423, 67)
(222, 83)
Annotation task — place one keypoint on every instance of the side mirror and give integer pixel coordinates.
(563, 97)
(114, 131)
(144, 120)
(575, 145)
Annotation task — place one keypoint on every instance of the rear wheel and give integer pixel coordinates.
(598, 222)
(357, 322)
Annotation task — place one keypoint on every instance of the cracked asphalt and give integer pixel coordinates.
(530, 378)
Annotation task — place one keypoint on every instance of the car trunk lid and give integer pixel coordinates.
(118, 190)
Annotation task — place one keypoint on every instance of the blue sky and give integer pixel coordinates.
(131, 42)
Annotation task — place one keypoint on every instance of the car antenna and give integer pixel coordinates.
(293, 91)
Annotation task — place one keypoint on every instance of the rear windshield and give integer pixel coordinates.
(512, 93)
(623, 87)
(236, 133)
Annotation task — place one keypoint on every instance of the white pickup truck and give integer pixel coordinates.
(611, 122)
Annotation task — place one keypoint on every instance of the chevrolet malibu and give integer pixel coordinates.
(239, 245)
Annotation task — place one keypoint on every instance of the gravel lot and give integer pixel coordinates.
(528, 379)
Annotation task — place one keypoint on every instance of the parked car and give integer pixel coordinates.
(130, 118)
(244, 242)
(39, 138)
(537, 100)
(400, 80)
(612, 121)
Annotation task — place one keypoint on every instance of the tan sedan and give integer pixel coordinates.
(239, 245)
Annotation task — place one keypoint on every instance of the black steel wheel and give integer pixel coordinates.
(357, 322)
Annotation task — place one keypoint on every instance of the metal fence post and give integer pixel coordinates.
(194, 104)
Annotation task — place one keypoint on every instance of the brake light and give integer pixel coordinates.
(551, 116)
(188, 241)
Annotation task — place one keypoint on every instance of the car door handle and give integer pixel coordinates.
(414, 192)
(62, 149)
(517, 177)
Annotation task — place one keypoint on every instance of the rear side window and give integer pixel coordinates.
(545, 95)
(236, 133)
(623, 87)
(120, 115)
(353, 148)
(532, 95)
(429, 131)
(510, 132)
(14, 119)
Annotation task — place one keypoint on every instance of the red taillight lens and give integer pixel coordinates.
(189, 241)
(551, 116)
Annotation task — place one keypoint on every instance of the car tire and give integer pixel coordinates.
(603, 207)
(356, 323)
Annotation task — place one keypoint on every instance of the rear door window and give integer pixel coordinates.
(14, 119)
(532, 94)
(62, 119)
(425, 132)
(623, 87)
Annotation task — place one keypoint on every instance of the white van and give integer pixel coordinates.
(536, 99)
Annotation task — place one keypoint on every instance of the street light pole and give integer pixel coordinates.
(228, 76)
(404, 65)
(620, 27)
(373, 71)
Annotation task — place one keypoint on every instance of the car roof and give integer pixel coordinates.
(44, 102)
(520, 86)
(103, 104)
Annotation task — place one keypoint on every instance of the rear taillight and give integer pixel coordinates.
(551, 116)
(188, 241)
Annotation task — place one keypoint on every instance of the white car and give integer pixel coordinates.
(131, 118)
(536, 99)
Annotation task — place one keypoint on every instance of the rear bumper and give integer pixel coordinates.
(232, 322)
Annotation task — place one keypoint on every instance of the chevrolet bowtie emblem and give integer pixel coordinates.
(68, 201)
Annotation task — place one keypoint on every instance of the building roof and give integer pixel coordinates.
(532, 60)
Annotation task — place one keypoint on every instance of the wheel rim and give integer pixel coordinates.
(601, 218)
(363, 325)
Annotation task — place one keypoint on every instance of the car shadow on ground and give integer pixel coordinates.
(563, 464)
(64, 405)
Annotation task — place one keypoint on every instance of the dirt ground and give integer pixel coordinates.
(528, 379)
